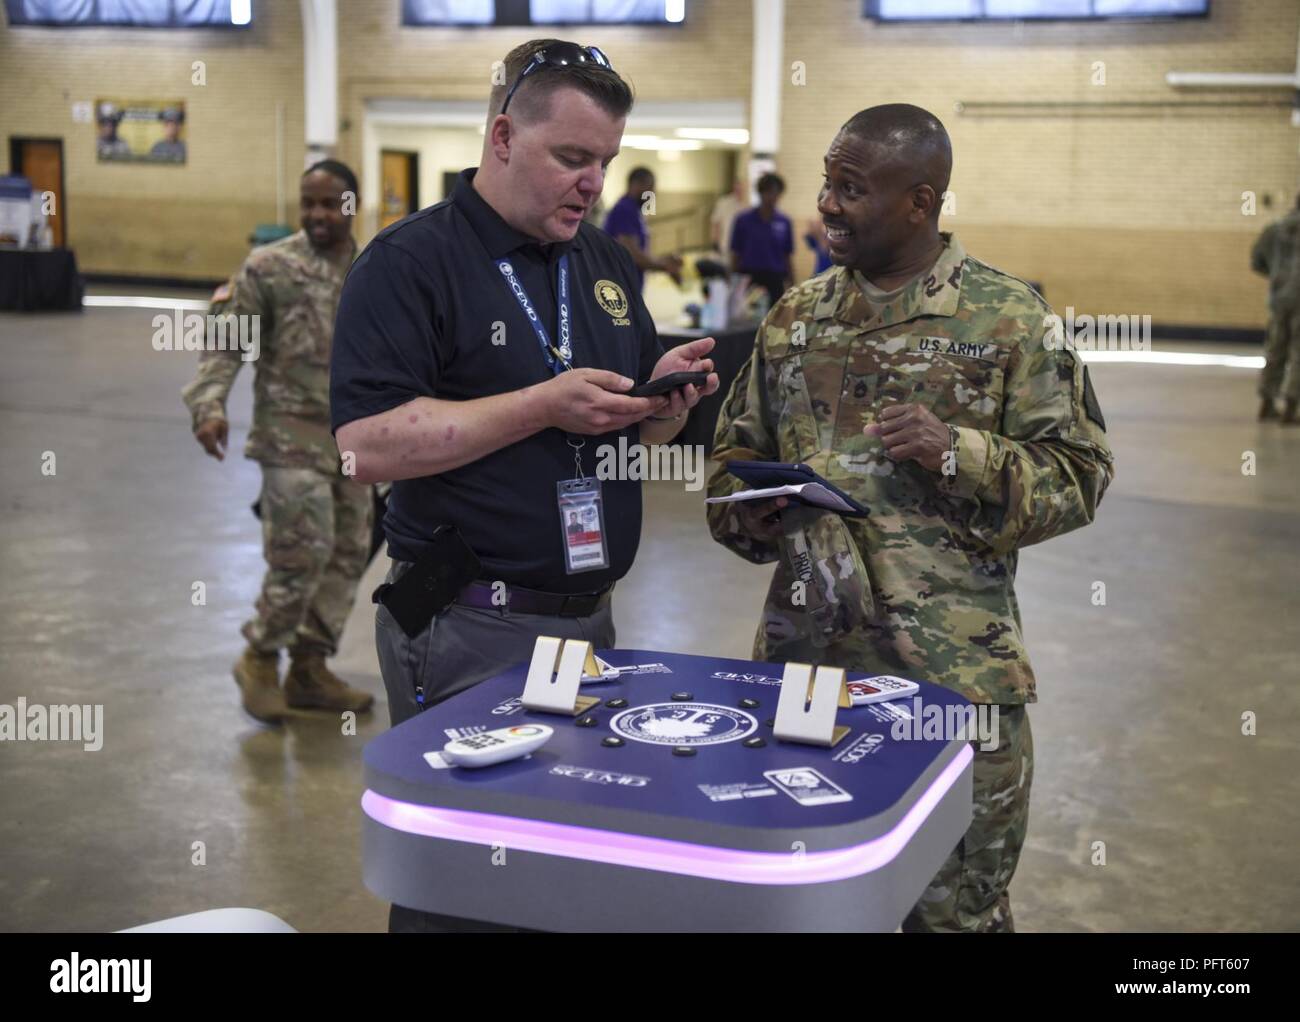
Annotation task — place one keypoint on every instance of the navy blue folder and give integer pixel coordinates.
(762, 475)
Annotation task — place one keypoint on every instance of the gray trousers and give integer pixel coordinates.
(461, 647)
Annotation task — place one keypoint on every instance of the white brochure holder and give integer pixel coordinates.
(805, 711)
(555, 690)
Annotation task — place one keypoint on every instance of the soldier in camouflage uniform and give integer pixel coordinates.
(1277, 255)
(315, 518)
(937, 392)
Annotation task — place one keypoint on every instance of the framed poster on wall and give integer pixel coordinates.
(140, 131)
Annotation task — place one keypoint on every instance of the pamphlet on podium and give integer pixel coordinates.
(772, 479)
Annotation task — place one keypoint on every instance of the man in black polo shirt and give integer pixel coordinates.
(481, 351)
(480, 354)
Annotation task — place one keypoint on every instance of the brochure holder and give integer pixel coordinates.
(805, 711)
(555, 673)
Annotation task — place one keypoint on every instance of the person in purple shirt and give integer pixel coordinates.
(815, 238)
(626, 225)
(762, 240)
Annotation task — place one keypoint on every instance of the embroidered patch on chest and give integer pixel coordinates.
(981, 351)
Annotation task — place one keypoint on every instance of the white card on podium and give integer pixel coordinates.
(550, 691)
(806, 708)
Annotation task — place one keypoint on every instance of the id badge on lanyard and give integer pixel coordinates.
(582, 519)
(581, 507)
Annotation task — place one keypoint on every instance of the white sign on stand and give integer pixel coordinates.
(554, 689)
(805, 711)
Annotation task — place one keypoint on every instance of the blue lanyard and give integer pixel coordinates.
(557, 359)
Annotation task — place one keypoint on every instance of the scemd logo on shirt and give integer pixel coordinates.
(683, 724)
(613, 300)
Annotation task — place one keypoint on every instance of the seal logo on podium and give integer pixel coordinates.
(683, 724)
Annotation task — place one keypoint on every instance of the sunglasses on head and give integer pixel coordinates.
(558, 55)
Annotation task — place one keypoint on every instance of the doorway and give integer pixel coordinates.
(40, 160)
(400, 171)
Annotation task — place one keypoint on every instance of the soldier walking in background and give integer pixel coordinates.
(315, 519)
(1276, 255)
(932, 389)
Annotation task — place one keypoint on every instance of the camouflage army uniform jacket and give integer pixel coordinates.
(967, 342)
(294, 292)
(1276, 254)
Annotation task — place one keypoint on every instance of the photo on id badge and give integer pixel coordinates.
(582, 525)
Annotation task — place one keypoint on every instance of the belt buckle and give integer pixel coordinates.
(584, 600)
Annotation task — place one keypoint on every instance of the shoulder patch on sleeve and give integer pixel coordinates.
(1090, 403)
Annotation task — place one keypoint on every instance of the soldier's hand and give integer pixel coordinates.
(761, 519)
(591, 401)
(912, 432)
(212, 435)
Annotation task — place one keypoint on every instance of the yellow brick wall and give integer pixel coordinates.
(1119, 211)
(1134, 211)
(189, 220)
(706, 58)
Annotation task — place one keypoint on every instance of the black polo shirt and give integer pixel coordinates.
(418, 316)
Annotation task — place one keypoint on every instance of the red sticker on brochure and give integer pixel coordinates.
(881, 688)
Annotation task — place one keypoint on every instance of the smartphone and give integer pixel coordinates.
(666, 383)
(432, 583)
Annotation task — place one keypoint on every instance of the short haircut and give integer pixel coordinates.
(339, 170)
(911, 137)
(639, 174)
(531, 101)
(768, 181)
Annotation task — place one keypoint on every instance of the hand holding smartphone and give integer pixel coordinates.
(668, 383)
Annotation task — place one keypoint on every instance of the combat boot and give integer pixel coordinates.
(310, 685)
(1288, 413)
(258, 677)
(1267, 410)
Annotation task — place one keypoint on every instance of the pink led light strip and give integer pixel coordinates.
(660, 854)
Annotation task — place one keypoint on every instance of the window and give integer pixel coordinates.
(130, 13)
(585, 12)
(448, 12)
(542, 12)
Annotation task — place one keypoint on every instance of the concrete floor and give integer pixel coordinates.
(1138, 733)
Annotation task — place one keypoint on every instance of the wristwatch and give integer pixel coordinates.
(952, 450)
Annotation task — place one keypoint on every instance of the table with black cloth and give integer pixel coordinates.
(36, 280)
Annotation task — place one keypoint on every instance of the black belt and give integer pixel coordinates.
(532, 601)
